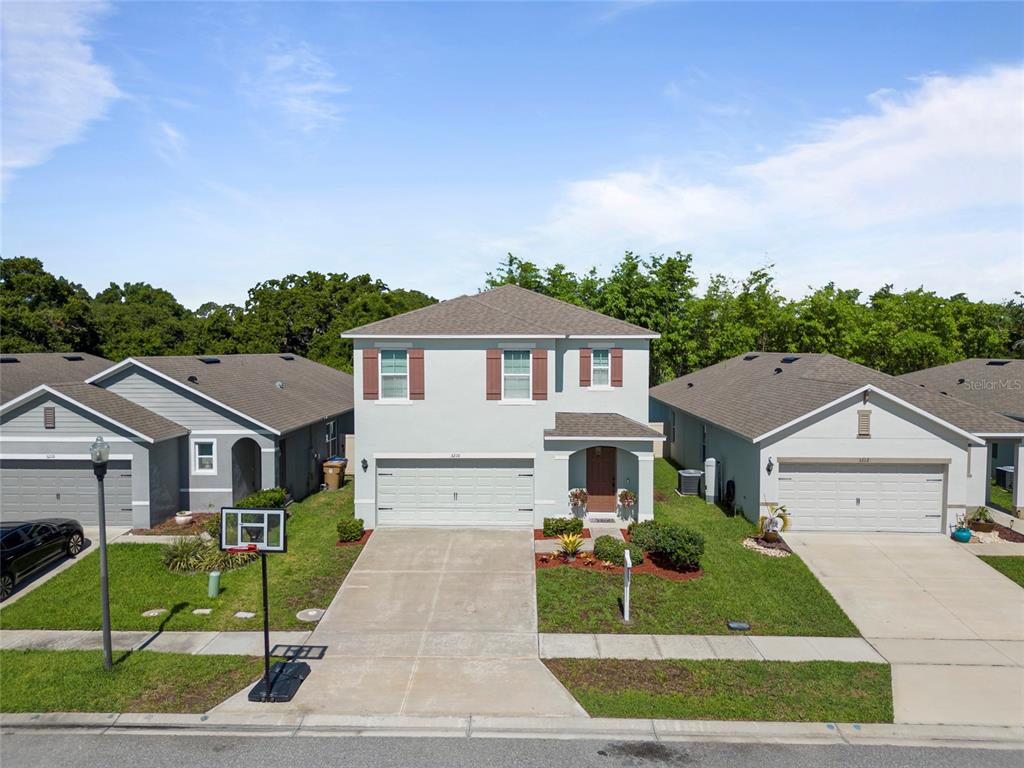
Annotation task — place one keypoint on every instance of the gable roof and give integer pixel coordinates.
(755, 394)
(993, 383)
(248, 385)
(569, 425)
(507, 310)
(27, 370)
(110, 406)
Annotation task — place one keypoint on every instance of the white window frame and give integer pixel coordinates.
(381, 375)
(529, 377)
(332, 438)
(593, 368)
(194, 459)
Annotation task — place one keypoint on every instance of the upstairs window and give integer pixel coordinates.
(515, 379)
(394, 374)
(600, 368)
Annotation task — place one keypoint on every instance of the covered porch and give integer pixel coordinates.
(1005, 465)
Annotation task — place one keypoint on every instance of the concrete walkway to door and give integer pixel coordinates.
(951, 626)
(432, 622)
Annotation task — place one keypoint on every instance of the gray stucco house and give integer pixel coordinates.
(193, 433)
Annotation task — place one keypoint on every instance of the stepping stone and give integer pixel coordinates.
(202, 611)
(310, 614)
(154, 612)
(245, 615)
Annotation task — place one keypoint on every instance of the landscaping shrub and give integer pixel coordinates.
(350, 529)
(681, 546)
(215, 559)
(184, 555)
(558, 526)
(213, 527)
(269, 498)
(645, 534)
(608, 549)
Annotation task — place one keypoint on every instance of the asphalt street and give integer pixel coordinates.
(70, 750)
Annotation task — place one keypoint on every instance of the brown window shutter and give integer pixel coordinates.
(494, 374)
(540, 374)
(416, 382)
(616, 367)
(49, 417)
(585, 367)
(371, 374)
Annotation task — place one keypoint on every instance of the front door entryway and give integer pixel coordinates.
(601, 479)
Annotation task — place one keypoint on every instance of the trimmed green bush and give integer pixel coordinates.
(683, 547)
(558, 526)
(350, 529)
(608, 549)
(268, 498)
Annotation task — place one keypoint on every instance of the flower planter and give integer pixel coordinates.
(963, 535)
(982, 527)
(183, 519)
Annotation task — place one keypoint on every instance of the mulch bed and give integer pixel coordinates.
(361, 540)
(1008, 534)
(588, 562)
(538, 534)
(170, 528)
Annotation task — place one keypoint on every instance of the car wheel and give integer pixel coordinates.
(6, 586)
(75, 544)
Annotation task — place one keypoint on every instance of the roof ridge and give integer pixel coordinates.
(513, 314)
(575, 306)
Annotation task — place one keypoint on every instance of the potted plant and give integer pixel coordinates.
(183, 517)
(962, 531)
(627, 499)
(570, 545)
(774, 522)
(578, 500)
(980, 520)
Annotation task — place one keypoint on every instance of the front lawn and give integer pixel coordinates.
(147, 681)
(777, 596)
(307, 576)
(1000, 496)
(809, 691)
(1011, 566)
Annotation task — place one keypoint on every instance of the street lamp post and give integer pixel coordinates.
(99, 452)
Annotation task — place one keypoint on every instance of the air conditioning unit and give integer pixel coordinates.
(689, 482)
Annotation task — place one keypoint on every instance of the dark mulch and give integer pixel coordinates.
(358, 542)
(538, 534)
(588, 562)
(780, 544)
(1008, 534)
(170, 527)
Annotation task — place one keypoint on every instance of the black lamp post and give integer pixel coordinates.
(99, 452)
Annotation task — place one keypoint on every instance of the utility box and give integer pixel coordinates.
(710, 480)
(689, 482)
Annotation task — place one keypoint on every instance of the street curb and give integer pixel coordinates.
(594, 729)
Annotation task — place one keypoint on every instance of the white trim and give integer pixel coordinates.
(364, 501)
(858, 460)
(268, 450)
(529, 374)
(518, 402)
(453, 455)
(391, 401)
(140, 503)
(514, 346)
(132, 361)
(601, 387)
(62, 457)
(619, 336)
(609, 438)
(645, 456)
(1002, 435)
(193, 456)
(458, 336)
(260, 432)
(205, 490)
(33, 393)
(381, 374)
(60, 439)
(867, 388)
(543, 502)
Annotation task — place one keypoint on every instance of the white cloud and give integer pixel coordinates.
(925, 183)
(301, 84)
(52, 87)
(169, 142)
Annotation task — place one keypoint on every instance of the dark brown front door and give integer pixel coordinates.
(601, 479)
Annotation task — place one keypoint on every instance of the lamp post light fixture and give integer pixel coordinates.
(99, 452)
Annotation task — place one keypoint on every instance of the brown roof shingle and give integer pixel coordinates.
(608, 425)
(123, 411)
(27, 370)
(507, 310)
(755, 393)
(993, 383)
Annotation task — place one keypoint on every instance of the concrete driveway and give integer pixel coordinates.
(433, 622)
(951, 626)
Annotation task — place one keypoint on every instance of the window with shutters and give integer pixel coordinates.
(600, 368)
(49, 417)
(516, 381)
(863, 423)
(394, 374)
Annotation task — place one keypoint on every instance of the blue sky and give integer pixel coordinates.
(204, 147)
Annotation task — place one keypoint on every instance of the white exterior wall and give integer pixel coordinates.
(455, 419)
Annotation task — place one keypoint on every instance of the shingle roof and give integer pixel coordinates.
(248, 384)
(747, 396)
(35, 368)
(993, 383)
(504, 311)
(608, 425)
(123, 411)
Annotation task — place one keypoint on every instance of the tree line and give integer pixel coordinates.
(305, 314)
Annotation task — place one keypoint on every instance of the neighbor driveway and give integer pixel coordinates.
(433, 622)
(951, 626)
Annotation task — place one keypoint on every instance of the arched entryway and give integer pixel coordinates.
(246, 473)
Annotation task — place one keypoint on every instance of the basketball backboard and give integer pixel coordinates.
(261, 530)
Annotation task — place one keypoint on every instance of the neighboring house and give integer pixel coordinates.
(993, 383)
(486, 410)
(187, 432)
(842, 446)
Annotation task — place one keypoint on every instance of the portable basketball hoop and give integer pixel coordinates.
(263, 531)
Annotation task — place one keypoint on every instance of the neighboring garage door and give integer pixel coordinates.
(862, 497)
(32, 489)
(493, 492)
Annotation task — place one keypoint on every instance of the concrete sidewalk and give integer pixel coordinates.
(196, 643)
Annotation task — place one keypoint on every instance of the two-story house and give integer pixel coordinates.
(486, 410)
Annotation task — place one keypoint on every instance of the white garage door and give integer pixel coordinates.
(492, 492)
(862, 497)
(32, 489)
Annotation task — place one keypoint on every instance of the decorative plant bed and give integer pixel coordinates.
(358, 542)
(171, 527)
(767, 548)
(1008, 534)
(538, 535)
(588, 562)
(998, 535)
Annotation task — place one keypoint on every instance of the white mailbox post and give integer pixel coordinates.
(626, 578)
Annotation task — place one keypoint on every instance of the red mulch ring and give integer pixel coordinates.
(362, 540)
(625, 534)
(588, 562)
(1008, 534)
(538, 534)
(170, 527)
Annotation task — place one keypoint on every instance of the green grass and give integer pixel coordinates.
(147, 681)
(1000, 496)
(777, 596)
(307, 576)
(1012, 566)
(809, 691)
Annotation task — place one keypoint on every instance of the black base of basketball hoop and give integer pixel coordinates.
(285, 679)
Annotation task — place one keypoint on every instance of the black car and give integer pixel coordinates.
(27, 546)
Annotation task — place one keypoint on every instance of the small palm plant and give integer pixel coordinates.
(774, 522)
(570, 545)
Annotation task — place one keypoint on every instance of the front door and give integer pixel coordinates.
(601, 479)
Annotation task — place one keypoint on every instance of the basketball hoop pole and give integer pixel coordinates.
(266, 631)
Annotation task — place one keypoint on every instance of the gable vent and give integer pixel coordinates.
(997, 362)
(209, 360)
(863, 423)
(73, 358)
(6, 359)
(49, 417)
(790, 358)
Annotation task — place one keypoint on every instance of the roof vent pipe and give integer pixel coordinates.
(279, 384)
(777, 370)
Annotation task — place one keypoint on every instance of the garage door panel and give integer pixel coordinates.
(42, 488)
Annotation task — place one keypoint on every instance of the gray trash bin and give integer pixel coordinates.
(689, 482)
